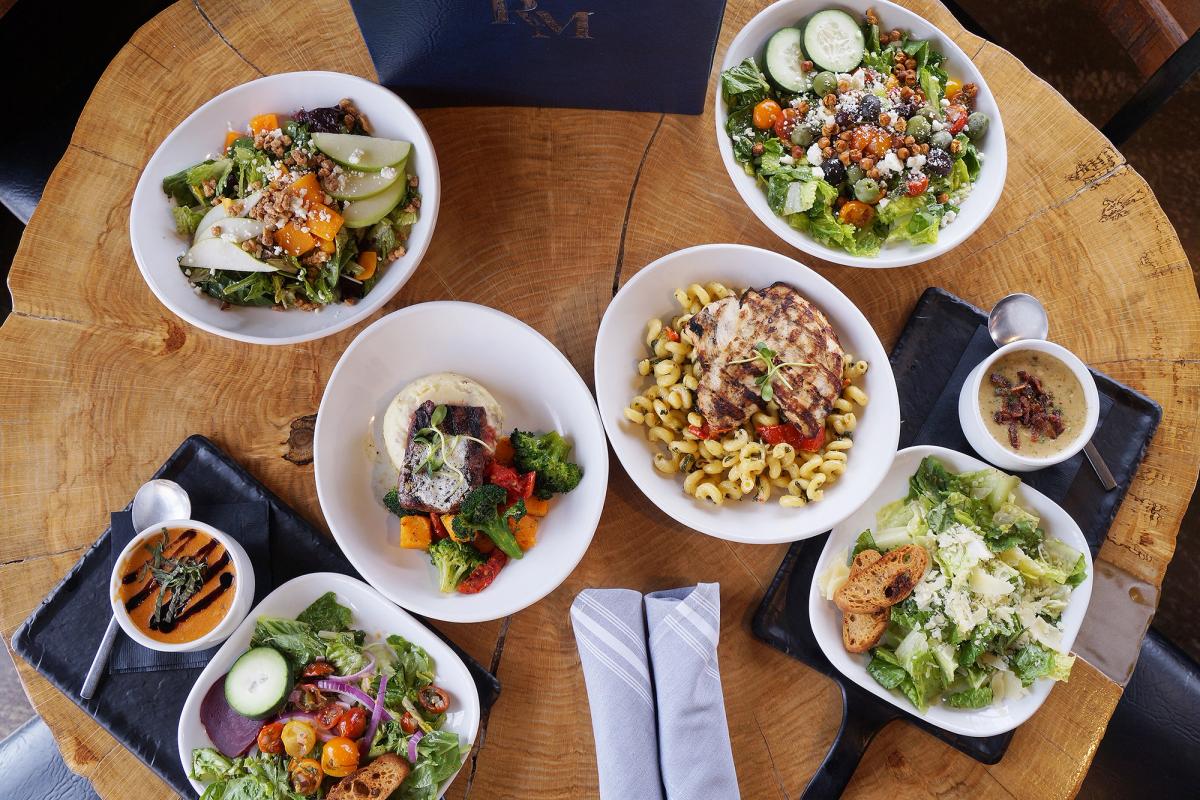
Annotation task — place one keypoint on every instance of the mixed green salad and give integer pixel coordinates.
(312, 701)
(295, 213)
(858, 134)
(984, 622)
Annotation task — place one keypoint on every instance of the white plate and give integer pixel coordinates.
(373, 614)
(156, 244)
(827, 620)
(620, 345)
(752, 40)
(538, 389)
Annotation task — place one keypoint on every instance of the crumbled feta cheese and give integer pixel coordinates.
(915, 162)
(818, 173)
(355, 155)
(814, 154)
(883, 201)
(787, 160)
(945, 103)
(890, 163)
(387, 173)
(936, 125)
(859, 79)
(949, 217)
(749, 131)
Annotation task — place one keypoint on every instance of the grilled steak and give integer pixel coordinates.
(725, 332)
(443, 491)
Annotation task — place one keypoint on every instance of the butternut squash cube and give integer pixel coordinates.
(415, 532)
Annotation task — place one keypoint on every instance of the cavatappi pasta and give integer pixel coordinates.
(738, 464)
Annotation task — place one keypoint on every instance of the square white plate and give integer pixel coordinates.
(373, 614)
(826, 619)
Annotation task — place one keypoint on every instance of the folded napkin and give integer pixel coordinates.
(654, 689)
(248, 524)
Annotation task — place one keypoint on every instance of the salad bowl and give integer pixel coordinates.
(372, 613)
(990, 720)
(620, 344)
(157, 245)
(751, 42)
(538, 391)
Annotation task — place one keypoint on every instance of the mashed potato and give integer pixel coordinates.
(443, 388)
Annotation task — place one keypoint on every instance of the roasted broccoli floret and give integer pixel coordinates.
(547, 456)
(391, 501)
(454, 562)
(481, 511)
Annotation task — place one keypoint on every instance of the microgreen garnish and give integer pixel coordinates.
(438, 444)
(183, 577)
(767, 356)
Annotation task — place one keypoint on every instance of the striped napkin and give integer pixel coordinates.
(658, 715)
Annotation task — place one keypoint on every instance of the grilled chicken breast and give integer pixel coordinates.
(442, 492)
(725, 333)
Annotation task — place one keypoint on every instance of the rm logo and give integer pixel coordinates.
(542, 21)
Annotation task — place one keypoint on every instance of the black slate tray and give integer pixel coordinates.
(943, 340)
(60, 637)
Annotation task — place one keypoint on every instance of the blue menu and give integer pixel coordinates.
(629, 55)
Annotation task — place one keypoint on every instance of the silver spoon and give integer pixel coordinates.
(1021, 316)
(156, 501)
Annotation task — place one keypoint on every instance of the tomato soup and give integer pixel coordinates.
(178, 585)
(1032, 403)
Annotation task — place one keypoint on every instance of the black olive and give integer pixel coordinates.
(939, 162)
(834, 171)
(843, 118)
(869, 108)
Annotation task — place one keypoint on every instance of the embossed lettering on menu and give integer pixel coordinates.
(540, 20)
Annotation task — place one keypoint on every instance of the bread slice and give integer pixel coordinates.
(861, 632)
(375, 781)
(885, 582)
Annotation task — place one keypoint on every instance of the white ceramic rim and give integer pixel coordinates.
(430, 201)
(241, 566)
(981, 202)
(976, 429)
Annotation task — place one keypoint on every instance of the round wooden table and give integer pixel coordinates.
(100, 382)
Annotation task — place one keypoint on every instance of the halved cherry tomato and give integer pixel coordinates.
(310, 697)
(957, 116)
(327, 718)
(269, 740)
(790, 434)
(788, 119)
(408, 723)
(484, 574)
(318, 669)
(339, 757)
(434, 699)
(871, 140)
(765, 114)
(918, 185)
(857, 213)
(306, 775)
(507, 478)
(353, 723)
(298, 738)
(953, 87)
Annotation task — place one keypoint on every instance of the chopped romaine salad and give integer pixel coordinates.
(858, 135)
(984, 621)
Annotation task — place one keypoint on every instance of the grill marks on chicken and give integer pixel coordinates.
(725, 332)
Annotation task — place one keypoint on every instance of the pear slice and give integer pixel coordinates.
(233, 229)
(217, 253)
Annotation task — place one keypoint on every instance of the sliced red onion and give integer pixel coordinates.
(366, 671)
(351, 691)
(413, 740)
(376, 712)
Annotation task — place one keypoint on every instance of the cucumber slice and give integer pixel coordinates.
(217, 253)
(258, 683)
(784, 55)
(834, 41)
(361, 213)
(363, 153)
(361, 185)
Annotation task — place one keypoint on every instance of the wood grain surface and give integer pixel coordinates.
(99, 382)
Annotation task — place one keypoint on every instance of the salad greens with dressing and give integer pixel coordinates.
(984, 622)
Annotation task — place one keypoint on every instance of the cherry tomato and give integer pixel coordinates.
(306, 775)
(298, 738)
(918, 185)
(957, 116)
(857, 213)
(353, 723)
(434, 699)
(318, 669)
(484, 574)
(765, 114)
(268, 738)
(517, 485)
(953, 87)
(787, 121)
(408, 723)
(328, 716)
(310, 697)
(870, 140)
(339, 757)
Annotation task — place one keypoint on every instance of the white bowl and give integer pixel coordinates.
(372, 613)
(620, 345)
(243, 589)
(970, 416)
(538, 390)
(751, 41)
(156, 244)
(826, 619)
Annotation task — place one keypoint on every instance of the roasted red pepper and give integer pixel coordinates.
(517, 485)
(700, 432)
(789, 434)
(484, 574)
(439, 530)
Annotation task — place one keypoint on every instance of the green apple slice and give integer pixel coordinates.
(222, 254)
(233, 229)
(361, 213)
(363, 153)
(361, 185)
(221, 211)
